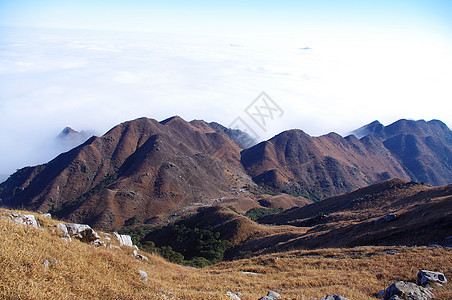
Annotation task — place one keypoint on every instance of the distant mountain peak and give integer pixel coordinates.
(66, 131)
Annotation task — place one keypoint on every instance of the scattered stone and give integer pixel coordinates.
(335, 297)
(46, 216)
(46, 263)
(64, 233)
(98, 243)
(135, 252)
(387, 218)
(407, 291)
(392, 252)
(24, 219)
(143, 275)
(142, 257)
(232, 295)
(167, 292)
(271, 295)
(82, 232)
(430, 279)
(124, 240)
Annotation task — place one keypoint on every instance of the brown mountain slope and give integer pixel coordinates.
(319, 167)
(142, 170)
(393, 212)
(423, 148)
(390, 213)
(325, 166)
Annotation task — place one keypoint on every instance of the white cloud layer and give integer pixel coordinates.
(51, 79)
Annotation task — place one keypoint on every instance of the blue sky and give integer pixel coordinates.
(93, 64)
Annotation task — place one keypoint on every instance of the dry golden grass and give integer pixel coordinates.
(88, 272)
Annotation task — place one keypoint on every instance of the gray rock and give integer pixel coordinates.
(46, 263)
(271, 295)
(82, 232)
(335, 297)
(124, 240)
(98, 243)
(387, 218)
(232, 295)
(64, 233)
(142, 257)
(407, 291)
(24, 219)
(430, 279)
(46, 215)
(143, 275)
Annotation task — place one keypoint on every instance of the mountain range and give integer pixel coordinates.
(149, 172)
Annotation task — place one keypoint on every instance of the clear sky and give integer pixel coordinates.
(329, 65)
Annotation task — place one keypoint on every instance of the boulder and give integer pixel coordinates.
(82, 232)
(64, 233)
(124, 240)
(407, 291)
(271, 295)
(143, 275)
(24, 219)
(430, 279)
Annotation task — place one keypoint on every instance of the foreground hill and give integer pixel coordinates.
(77, 270)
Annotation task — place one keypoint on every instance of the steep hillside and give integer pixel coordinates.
(319, 167)
(142, 170)
(393, 212)
(149, 172)
(423, 148)
(325, 166)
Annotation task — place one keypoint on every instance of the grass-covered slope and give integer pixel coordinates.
(81, 271)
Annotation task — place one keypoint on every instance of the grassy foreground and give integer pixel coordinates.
(82, 271)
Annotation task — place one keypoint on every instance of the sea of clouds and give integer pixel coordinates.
(50, 79)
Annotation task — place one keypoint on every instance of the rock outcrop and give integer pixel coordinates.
(24, 219)
(124, 240)
(402, 290)
(82, 232)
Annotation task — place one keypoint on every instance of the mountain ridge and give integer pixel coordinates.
(153, 172)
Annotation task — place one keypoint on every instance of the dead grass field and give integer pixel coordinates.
(83, 271)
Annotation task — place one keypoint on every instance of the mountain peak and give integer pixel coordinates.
(67, 131)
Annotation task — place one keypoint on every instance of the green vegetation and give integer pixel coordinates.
(313, 193)
(259, 212)
(188, 246)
